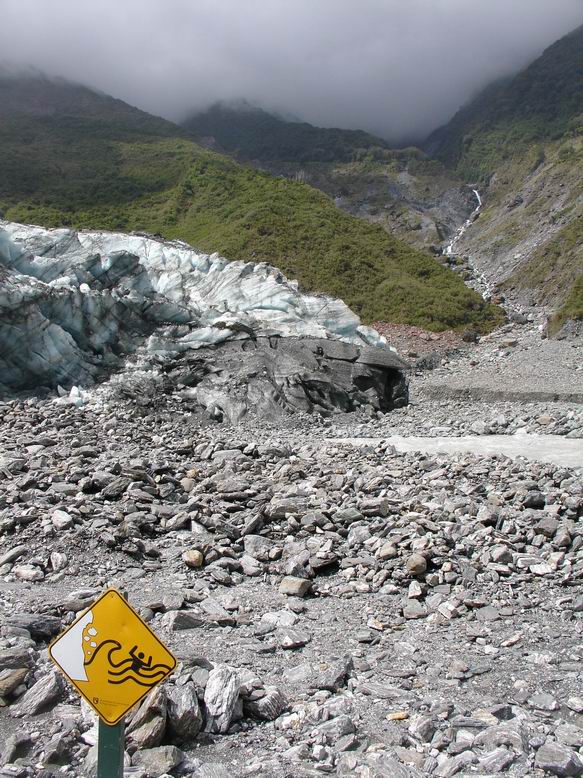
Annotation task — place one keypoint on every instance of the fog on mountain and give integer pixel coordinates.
(398, 69)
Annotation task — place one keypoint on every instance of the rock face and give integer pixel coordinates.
(229, 336)
(273, 375)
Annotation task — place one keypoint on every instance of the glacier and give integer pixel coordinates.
(77, 307)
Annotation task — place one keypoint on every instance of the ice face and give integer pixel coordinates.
(74, 304)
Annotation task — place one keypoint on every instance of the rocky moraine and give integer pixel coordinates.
(336, 606)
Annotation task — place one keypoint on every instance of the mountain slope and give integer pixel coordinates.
(73, 157)
(254, 134)
(544, 103)
(403, 190)
(65, 146)
(523, 141)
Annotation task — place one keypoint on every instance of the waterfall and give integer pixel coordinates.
(450, 249)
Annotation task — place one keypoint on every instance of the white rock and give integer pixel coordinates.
(61, 520)
(221, 696)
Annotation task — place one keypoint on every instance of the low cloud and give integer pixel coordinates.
(399, 68)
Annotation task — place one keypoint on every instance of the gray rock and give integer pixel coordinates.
(184, 714)
(221, 696)
(251, 566)
(180, 620)
(570, 735)
(534, 499)
(58, 561)
(28, 572)
(61, 520)
(11, 680)
(414, 610)
(416, 564)
(295, 587)
(502, 735)
(147, 726)
(214, 611)
(258, 547)
(42, 695)
(487, 613)
(543, 701)
(334, 677)
(40, 625)
(193, 558)
(496, 761)
(15, 658)
(559, 760)
(115, 489)
(422, 727)
(268, 707)
(290, 638)
(547, 526)
(335, 728)
(16, 746)
(155, 762)
(13, 554)
(455, 764)
(213, 770)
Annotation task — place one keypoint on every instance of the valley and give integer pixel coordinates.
(403, 190)
(129, 171)
(523, 137)
(316, 405)
(385, 605)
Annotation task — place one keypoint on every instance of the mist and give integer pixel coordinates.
(398, 68)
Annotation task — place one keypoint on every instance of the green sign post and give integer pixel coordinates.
(110, 750)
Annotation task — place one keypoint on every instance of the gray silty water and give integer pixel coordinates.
(542, 448)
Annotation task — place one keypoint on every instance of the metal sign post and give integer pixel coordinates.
(113, 659)
(110, 750)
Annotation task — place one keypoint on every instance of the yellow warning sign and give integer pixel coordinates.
(111, 656)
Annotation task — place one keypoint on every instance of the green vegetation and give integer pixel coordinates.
(71, 162)
(402, 190)
(558, 262)
(573, 308)
(129, 171)
(219, 206)
(556, 270)
(251, 133)
(543, 103)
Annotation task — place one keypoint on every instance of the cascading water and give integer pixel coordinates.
(477, 281)
(450, 249)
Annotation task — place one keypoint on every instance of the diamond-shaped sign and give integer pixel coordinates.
(111, 656)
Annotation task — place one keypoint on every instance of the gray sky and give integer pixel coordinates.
(395, 67)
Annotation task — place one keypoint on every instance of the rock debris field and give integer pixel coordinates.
(335, 609)
(336, 606)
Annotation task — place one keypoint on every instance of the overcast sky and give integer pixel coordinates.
(395, 67)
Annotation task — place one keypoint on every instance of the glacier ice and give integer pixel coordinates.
(74, 306)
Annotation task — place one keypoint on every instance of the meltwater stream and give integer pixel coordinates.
(554, 449)
(450, 249)
(477, 280)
